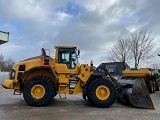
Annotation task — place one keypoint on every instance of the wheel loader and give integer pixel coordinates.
(147, 74)
(41, 78)
(144, 77)
(133, 87)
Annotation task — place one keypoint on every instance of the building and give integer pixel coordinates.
(3, 76)
(4, 37)
(115, 68)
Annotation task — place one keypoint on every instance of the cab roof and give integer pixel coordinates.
(65, 47)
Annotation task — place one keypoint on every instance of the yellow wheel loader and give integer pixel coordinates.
(142, 81)
(147, 74)
(131, 88)
(41, 78)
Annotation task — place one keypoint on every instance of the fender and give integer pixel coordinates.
(39, 67)
(92, 77)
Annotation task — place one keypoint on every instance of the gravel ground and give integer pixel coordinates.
(13, 107)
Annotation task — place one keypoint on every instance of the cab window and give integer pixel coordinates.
(68, 56)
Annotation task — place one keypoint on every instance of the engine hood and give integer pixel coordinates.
(31, 58)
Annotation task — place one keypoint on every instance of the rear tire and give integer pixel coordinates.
(84, 94)
(149, 84)
(101, 92)
(157, 86)
(38, 91)
(154, 86)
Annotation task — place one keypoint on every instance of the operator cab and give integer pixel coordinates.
(68, 56)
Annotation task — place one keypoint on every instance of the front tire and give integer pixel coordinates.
(101, 92)
(38, 91)
(154, 86)
(157, 86)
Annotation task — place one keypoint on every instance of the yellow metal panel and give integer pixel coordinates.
(61, 68)
(84, 77)
(11, 84)
(76, 70)
(137, 73)
(37, 72)
(84, 68)
(78, 88)
(16, 86)
(63, 78)
(63, 89)
(8, 84)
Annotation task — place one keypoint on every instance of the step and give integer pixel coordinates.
(63, 85)
(60, 96)
(70, 91)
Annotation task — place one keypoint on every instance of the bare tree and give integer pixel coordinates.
(121, 51)
(8, 64)
(136, 46)
(141, 45)
(5, 65)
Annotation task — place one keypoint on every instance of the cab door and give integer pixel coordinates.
(67, 61)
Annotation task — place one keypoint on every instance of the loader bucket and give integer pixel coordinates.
(134, 92)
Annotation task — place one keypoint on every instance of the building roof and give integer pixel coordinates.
(4, 37)
(113, 64)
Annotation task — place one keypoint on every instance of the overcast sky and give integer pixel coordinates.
(92, 25)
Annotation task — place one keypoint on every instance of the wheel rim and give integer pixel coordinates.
(102, 92)
(38, 91)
